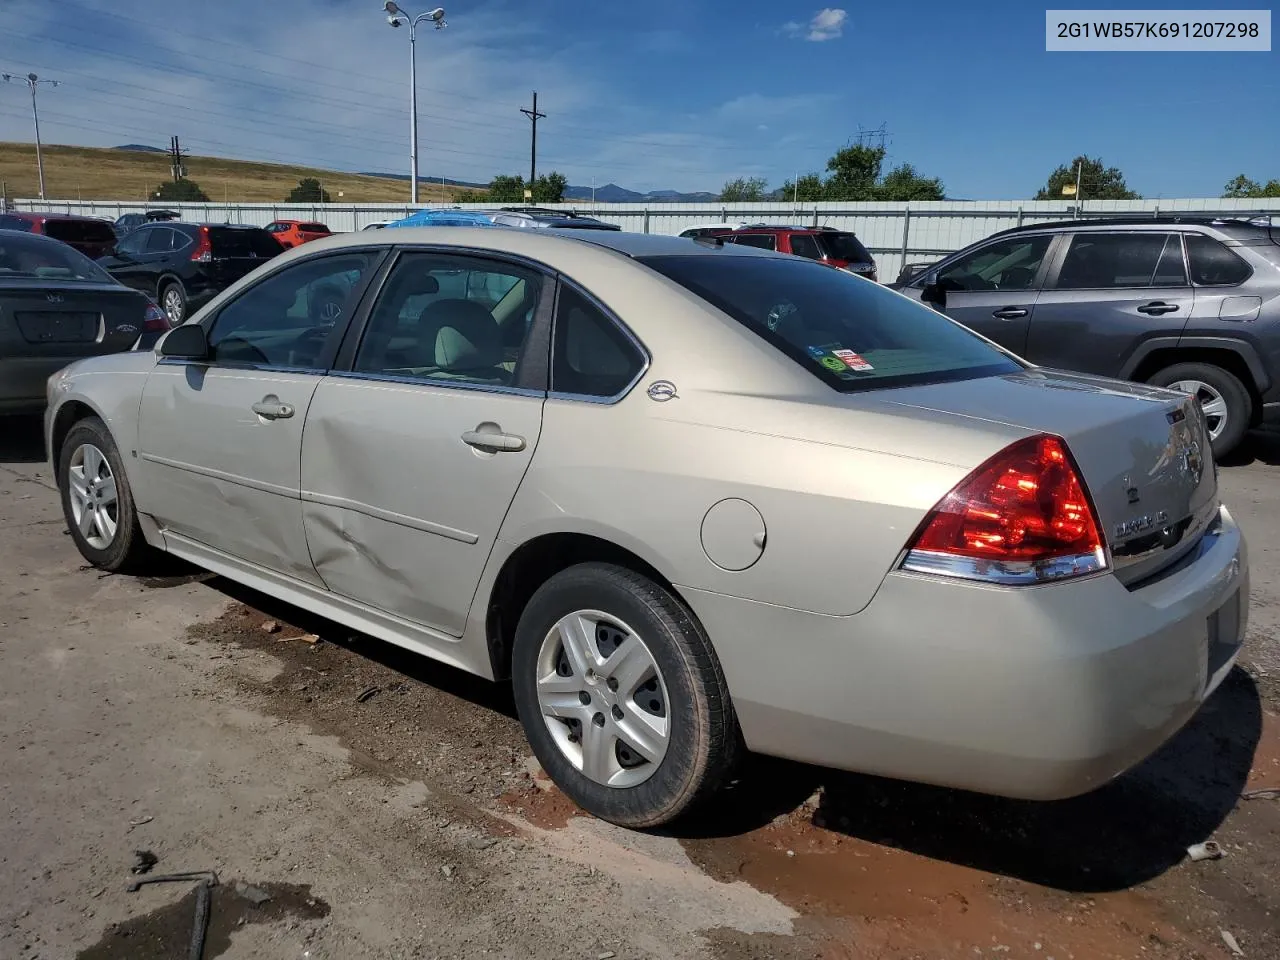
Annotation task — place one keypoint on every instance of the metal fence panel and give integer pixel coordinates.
(896, 233)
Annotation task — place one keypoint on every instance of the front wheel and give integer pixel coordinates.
(97, 501)
(1226, 403)
(621, 696)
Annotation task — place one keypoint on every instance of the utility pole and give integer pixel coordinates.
(31, 80)
(1079, 170)
(175, 159)
(535, 116)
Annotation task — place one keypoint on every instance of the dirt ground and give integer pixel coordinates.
(356, 801)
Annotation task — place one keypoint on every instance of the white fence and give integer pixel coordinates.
(896, 233)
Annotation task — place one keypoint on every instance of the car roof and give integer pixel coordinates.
(1237, 227)
(785, 228)
(33, 215)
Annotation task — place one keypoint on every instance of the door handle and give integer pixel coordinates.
(1009, 313)
(493, 442)
(270, 408)
(1158, 308)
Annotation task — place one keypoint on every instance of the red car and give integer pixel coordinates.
(292, 233)
(836, 248)
(93, 237)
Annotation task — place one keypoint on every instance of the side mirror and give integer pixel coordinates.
(934, 294)
(187, 342)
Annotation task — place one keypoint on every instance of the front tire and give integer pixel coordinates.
(97, 501)
(621, 696)
(1227, 406)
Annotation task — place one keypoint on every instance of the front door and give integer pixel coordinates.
(131, 264)
(219, 442)
(412, 457)
(993, 290)
(1112, 291)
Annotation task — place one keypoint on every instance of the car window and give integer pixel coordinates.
(159, 240)
(133, 242)
(1212, 264)
(1171, 269)
(844, 246)
(1010, 264)
(765, 241)
(850, 334)
(1106, 261)
(805, 245)
(591, 355)
(289, 317)
(447, 317)
(22, 255)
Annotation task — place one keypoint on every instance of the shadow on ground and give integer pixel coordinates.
(21, 439)
(1259, 446)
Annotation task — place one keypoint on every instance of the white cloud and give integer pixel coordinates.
(827, 24)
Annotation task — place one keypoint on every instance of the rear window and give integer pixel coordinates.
(843, 246)
(80, 231)
(852, 334)
(15, 223)
(25, 256)
(1213, 265)
(313, 228)
(238, 242)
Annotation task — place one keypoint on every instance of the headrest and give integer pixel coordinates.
(412, 284)
(467, 336)
(588, 347)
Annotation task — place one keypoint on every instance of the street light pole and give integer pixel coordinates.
(31, 80)
(395, 17)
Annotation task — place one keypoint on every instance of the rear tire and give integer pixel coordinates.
(1226, 402)
(621, 696)
(173, 301)
(97, 501)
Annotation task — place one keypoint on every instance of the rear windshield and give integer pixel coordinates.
(239, 242)
(15, 223)
(851, 333)
(313, 228)
(80, 231)
(844, 246)
(26, 256)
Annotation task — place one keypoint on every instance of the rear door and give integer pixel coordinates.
(133, 263)
(220, 441)
(413, 455)
(1108, 292)
(993, 290)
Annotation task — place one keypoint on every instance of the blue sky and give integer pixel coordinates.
(664, 94)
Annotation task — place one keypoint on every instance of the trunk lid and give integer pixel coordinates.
(236, 251)
(1143, 452)
(67, 320)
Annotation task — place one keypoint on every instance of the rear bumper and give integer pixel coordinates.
(1040, 693)
(23, 381)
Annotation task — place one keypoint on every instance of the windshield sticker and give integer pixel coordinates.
(834, 364)
(852, 360)
(817, 352)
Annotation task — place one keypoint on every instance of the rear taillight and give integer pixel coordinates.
(204, 249)
(1023, 517)
(155, 319)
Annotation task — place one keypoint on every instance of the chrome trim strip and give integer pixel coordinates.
(1010, 573)
(257, 367)
(222, 475)
(410, 381)
(377, 513)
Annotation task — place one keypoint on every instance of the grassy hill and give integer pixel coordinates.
(99, 173)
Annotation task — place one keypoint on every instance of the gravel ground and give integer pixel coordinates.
(356, 801)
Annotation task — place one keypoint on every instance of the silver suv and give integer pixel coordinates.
(1187, 303)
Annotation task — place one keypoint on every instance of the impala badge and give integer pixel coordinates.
(54, 297)
(1142, 524)
(662, 391)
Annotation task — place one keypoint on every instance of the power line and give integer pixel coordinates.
(32, 81)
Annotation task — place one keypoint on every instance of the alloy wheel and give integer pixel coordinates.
(173, 306)
(1211, 401)
(603, 698)
(95, 507)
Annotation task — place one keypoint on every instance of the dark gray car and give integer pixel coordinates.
(1192, 304)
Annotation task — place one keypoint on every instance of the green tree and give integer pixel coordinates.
(854, 170)
(1096, 182)
(506, 189)
(469, 196)
(550, 187)
(903, 183)
(1242, 187)
(743, 189)
(807, 188)
(308, 190)
(181, 191)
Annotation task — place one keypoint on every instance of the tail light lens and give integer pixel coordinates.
(1023, 517)
(204, 249)
(155, 319)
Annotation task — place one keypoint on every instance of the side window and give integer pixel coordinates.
(132, 243)
(447, 317)
(805, 245)
(1213, 265)
(290, 317)
(765, 241)
(1111, 261)
(1171, 270)
(159, 240)
(1010, 264)
(591, 355)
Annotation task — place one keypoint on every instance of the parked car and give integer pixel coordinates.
(377, 224)
(184, 265)
(132, 221)
(910, 270)
(524, 218)
(56, 306)
(710, 229)
(835, 248)
(292, 233)
(1191, 304)
(725, 497)
(89, 235)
